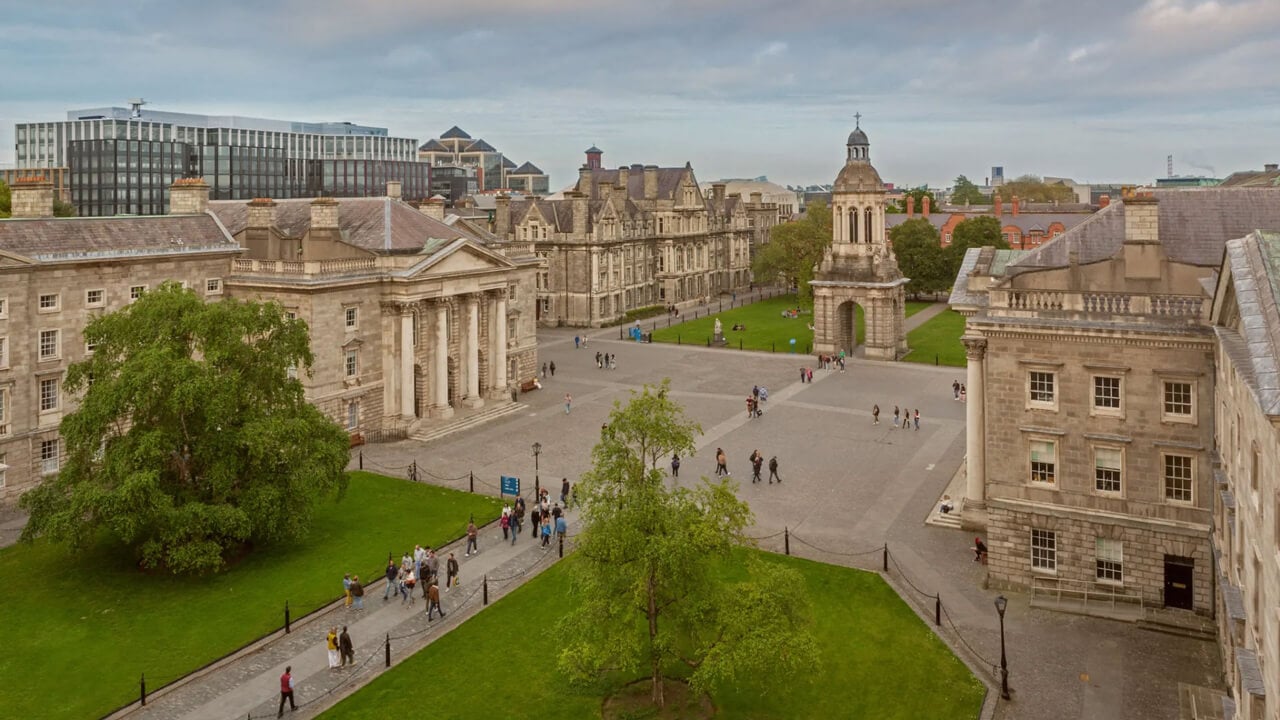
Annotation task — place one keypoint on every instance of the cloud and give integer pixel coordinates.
(772, 50)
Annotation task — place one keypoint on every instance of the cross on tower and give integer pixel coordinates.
(857, 119)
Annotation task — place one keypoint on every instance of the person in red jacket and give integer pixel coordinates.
(286, 691)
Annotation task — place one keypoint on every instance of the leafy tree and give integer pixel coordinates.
(1030, 188)
(965, 192)
(63, 209)
(794, 249)
(980, 231)
(647, 584)
(191, 440)
(920, 256)
(6, 200)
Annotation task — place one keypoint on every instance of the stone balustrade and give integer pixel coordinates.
(1019, 302)
(311, 268)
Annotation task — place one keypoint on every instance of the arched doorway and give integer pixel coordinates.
(850, 326)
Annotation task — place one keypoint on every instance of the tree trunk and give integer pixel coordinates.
(659, 697)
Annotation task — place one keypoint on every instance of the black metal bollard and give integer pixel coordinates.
(773, 347)
(561, 546)
(388, 650)
(286, 617)
(485, 586)
(620, 336)
(739, 344)
(361, 459)
(678, 339)
(935, 359)
(937, 610)
(142, 693)
(786, 540)
(886, 557)
(473, 481)
(708, 342)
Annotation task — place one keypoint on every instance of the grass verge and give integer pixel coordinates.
(938, 338)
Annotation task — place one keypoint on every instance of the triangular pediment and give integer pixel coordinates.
(462, 257)
(12, 259)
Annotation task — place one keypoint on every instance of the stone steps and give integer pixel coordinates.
(436, 430)
(1178, 622)
(950, 520)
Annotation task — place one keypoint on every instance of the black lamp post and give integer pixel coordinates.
(1001, 603)
(537, 450)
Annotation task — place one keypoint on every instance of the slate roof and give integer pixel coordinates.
(668, 181)
(508, 163)
(594, 149)
(1025, 222)
(433, 146)
(455, 133)
(985, 261)
(1194, 225)
(59, 238)
(1252, 178)
(1254, 263)
(527, 169)
(480, 146)
(380, 225)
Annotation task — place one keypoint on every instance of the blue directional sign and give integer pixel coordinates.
(510, 485)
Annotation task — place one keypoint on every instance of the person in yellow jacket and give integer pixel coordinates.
(331, 642)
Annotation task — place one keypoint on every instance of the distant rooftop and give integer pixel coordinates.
(226, 121)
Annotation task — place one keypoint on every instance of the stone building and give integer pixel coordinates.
(1024, 226)
(1091, 398)
(859, 268)
(411, 318)
(1246, 481)
(629, 238)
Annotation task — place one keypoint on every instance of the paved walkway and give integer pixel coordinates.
(926, 315)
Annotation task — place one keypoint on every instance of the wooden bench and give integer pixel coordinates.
(528, 385)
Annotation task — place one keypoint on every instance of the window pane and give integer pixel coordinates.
(1042, 387)
(1177, 478)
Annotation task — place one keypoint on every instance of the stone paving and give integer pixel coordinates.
(849, 488)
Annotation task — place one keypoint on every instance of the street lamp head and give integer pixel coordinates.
(537, 448)
(1001, 603)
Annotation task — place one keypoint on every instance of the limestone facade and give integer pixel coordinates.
(409, 318)
(859, 268)
(1092, 398)
(629, 238)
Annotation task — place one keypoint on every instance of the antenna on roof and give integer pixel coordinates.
(135, 106)
(1170, 166)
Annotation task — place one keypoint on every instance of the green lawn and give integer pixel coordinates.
(878, 661)
(93, 617)
(915, 306)
(940, 338)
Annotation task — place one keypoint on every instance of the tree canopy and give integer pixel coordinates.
(1030, 188)
(921, 256)
(979, 231)
(191, 440)
(794, 249)
(964, 192)
(6, 200)
(646, 578)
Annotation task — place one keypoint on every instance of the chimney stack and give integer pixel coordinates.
(584, 180)
(1271, 167)
(624, 179)
(594, 157)
(432, 208)
(650, 182)
(581, 207)
(997, 206)
(502, 215)
(324, 214)
(717, 192)
(924, 207)
(393, 189)
(1103, 201)
(757, 199)
(187, 196)
(262, 213)
(1015, 205)
(1141, 237)
(258, 240)
(32, 197)
(911, 206)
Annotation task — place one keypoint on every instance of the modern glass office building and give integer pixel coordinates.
(122, 161)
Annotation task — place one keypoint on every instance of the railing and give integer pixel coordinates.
(1188, 307)
(343, 266)
(1084, 590)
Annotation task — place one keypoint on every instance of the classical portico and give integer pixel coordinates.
(859, 268)
(973, 513)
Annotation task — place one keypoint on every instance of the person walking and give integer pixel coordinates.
(433, 601)
(564, 492)
(675, 465)
(917, 418)
(955, 389)
(544, 371)
(346, 650)
(773, 470)
(803, 374)
(562, 527)
(546, 531)
(433, 569)
(896, 412)
(553, 368)
(575, 342)
(875, 414)
(599, 357)
(472, 532)
(810, 373)
(286, 691)
(505, 522)
(568, 403)
(757, 463)
(722, 467)
(393, 571)
(751, 407)
(357, 591)
(331, 645)
(346, 589)
(906, 418)
(451, 570)
(963, 396)
(536, 517)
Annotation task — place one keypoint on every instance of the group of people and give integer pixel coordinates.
(549, 366)
(545, 517)
(579, 341)
(722, 466)
(756, 400)
(421, 568)
(830, 362)
(957, 390)
(902, 417)
(606, 361)
(341, 651)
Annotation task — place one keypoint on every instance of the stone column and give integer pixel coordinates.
(473, 399)
(440, 407)
(499, 336)
(976, 431)
(406, 361)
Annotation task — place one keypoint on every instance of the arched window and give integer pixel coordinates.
(853, 225)
(867, 225)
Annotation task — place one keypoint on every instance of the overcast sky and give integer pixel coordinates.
(1098, 90)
